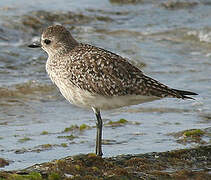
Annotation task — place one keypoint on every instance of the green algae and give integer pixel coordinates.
(54, 176)
(42, 147)
(44, 133)
(30, 176)
(116, 123)
(83, 127)
(70, 137)
(193, 132)
(77, 128)
(22, 140)
(121, 121)
(46, 146)
(199, 136)
(77, 167)
(64, 145)
(71, 128)
(94, 168)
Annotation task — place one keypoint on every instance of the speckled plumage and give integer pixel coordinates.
(104, 73)
(97, 72)
(92, 77)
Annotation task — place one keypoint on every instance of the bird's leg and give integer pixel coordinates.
(99, 125)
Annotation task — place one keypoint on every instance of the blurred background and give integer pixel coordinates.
(169, 40)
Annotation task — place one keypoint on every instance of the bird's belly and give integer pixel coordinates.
(106, 103)
(85, 99)
(75, 95)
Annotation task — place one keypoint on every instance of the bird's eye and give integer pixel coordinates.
(47, 41)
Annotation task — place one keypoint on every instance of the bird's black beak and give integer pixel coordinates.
(35, 45)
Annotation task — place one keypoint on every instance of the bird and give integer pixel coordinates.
(94, 78)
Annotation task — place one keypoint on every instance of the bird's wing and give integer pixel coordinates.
(104, 73)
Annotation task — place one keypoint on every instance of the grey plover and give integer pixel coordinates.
(92, 77)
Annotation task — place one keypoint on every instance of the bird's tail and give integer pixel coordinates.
(184, 94)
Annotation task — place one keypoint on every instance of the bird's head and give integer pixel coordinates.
(55, 39)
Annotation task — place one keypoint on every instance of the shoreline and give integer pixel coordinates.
(194, 163)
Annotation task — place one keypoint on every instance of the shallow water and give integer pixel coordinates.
(170, 45)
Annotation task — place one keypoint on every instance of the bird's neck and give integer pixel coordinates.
(60, 49)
